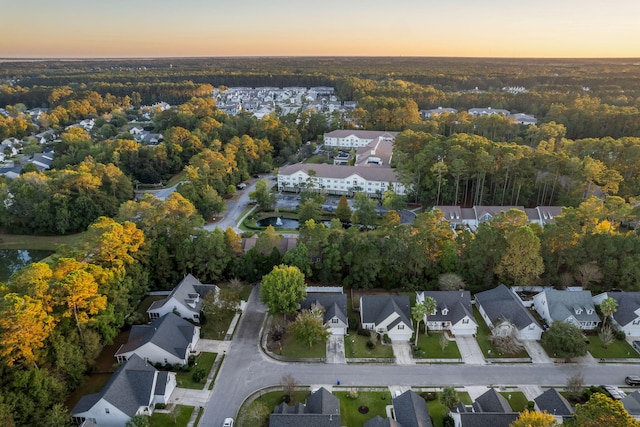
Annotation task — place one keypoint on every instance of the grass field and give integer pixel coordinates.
(204, 361)
(516, 399)
(430, 345)
(619, 349)
(356, 346)
(294, 348)
(179, 417)
(375, 401)
(44, 243)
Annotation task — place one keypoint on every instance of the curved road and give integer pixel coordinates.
(246, 369)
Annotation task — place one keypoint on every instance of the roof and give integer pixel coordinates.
(187, 292)
(321, 410)
(628, 305)
(323, 402)
(457, 302)
(501, 303)
(362, 134)
(488, 419)
(554, 403)
(170, 332)
(411, 410)
(335, 305)
(376, 309)
(632, 403)
(341, 172)
(129, 388)
(564, 304)
(492, 401)
(378, 421)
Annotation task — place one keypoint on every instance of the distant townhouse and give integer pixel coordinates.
(524, 119)
(349, 139)
(471, 218)
(575, 307)
(627, 315)
(338, 180)
(488, 111)
(453, 312)
(427, 114)
(184, 300)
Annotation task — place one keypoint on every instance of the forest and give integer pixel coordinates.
(55, 316)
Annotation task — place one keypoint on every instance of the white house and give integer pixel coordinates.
(627, 315)
(167, 340)
(427, 114)
(184, 300)
(335, 179)
(502, 309)
(575, 307)
(356, 138)
(453, 312)
(389, 315)
(488, 111)
(334, 305)
(134, 389)
(471, 218)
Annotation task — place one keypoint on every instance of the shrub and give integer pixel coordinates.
(191, 361)
(429, 396)
(447, 421)
(160, 406)
(364, 332)
(386, 339)
(620, 335)
(352, 394)
(531, 405)
(198, 375)
(371, 345)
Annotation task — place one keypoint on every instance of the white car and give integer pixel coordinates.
(228, 422)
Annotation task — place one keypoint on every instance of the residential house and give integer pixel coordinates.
(427, 114)
(552, 402)
(627, 315)
(524, 119)
(389, 315)
(43, 160)
(334, 305)
(184, 300)
(134, 389)
(322, 409)
(167, 340)
(461, 218)
(503, 311)
(453, 312)
(491, 409)
(632, 403)
(488, 111)
(339, 180)
(356, 138)
(409, 410)
(575, 307)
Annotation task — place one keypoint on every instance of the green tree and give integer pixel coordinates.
(139, 421)
(57, 416)
(283, 289)
(450, 282)
(430, 305)
(418, 312)
(608, 307)
(343, 211)
(600, 411)
(308, 327)
(521, 263)
(263, 196)
(534, 419)
(449, 397)
(565, 340)
(299, 257)
(309, 209)
(364, 210)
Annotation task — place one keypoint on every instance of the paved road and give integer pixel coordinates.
(235, 206)
(246, 369)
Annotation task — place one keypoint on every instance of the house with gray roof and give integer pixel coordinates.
(503, 311)
(632, 403)
(389, 315)
(434, 112)
(134, 389)
(470, 218)
(491, 409)
(575, 307)
(335, 310)
(322, 409)
(184, 300)
(552, 402)
(627, 315)
(350, 138)
(167, 340)
(453, 312)
(409, 410)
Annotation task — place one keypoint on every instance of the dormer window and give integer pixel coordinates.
(445, 311)
(589, 310)
(577, 309)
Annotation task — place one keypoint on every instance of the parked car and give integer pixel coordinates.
(632, 380)
(228, 422)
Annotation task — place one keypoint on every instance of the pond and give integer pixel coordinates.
(12, 260)
(278, 222)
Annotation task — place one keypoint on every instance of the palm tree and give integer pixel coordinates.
(418, 312)
(608, 306)
(430, 304)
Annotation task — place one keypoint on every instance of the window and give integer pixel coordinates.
(400, 326)
(106, 410)
(334, 320)
(532, 326)
(465, 321)
(636, 322)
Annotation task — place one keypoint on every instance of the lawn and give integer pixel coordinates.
(44, 243)
(430, 345)
(317, 158)
(518, 400)
(356, 346)
(482, 337)
(619, 349)
(294, 348)
(375, 401)
(182, 415)
(204, 361)
(216, 329)
(437, 410)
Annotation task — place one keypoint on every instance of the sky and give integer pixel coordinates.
(205, 28)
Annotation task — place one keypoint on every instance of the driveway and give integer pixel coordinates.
(402, 352)
(536, 352)
(335, 349)
(470, 350)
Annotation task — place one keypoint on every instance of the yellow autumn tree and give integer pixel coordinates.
(600, 411)
(534, 419)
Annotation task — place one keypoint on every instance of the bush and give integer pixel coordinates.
(352, 394)
(429, 396)
(620, 335)
(364, 332)
(198, 375)
(160, 406)
(386, 339)
(191, 361)
(447, 421)
(418, 352)
(371, 345)
(531, 405)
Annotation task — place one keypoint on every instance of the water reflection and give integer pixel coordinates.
(12, 260)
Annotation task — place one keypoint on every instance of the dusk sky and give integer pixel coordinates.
(466, 28)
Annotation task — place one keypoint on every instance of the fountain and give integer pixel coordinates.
(278, 221)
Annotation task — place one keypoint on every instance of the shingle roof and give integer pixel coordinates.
(488, 419)
(129, 388)
(411, 410)
(628, 304)
(554, 403)
(562, 305)
(341, 172)
(376, 309)
(632, 403)
(321, 410)
(362, 134)
(378, 421)
(492, 401)
(501, 303)
(335, 305)
(457, 302)
(170, 332)
(186, 292)
(323, 402)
